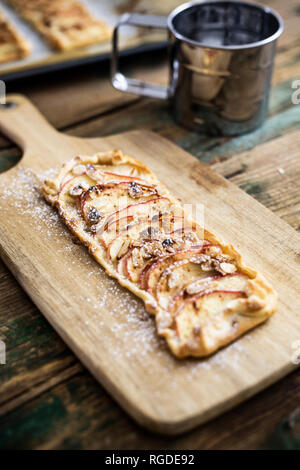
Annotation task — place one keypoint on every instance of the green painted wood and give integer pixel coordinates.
(34, 351)
(9, 158)
(283, 116)
(286, 436)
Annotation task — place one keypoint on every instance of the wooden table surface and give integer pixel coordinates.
(47, 398)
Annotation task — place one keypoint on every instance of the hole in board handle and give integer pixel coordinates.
(8, 105)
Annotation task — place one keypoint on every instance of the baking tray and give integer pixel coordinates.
(132, 40)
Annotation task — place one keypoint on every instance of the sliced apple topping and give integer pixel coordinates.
(74, 187)
(134, 262)
(203, 311)
(233, 282)
(188, 272)
(125, 170)
(162, 243)
(93, 175)
(149, 208)
(121, 266)
(143, 275)
(236, 282)
(141, 254)
(147, 244)
(118, 249)
(110, 197)
(119, 176)
(162, 264)
(136, 229)
(133, 221)
(174, 278)
(113, 229)
(78, 170)
(213, 258)
(99, 173)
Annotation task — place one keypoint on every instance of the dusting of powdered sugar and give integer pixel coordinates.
(132, 333)
(25, 189)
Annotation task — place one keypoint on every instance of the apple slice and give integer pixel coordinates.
(103, 199)
(121, 266)
(143, 275)
(146, 251)
(235, 282)
(74, 187)
(200, 311)
(149, 208)
(132, 272)
(93, 174)
(108, 228)
(148, 228)
(116, 176)
(128, 170)
(136, 263)
(143, 229)
(113, 229)
(162, 264)
(118, 249)
(126, 267)
(106, 172)
(144, 272)
(174, 277)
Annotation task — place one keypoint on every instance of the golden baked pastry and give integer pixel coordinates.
(12, 45)
(65, 24)
(200, 292)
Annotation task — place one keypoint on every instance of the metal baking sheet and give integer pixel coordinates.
(43, 58)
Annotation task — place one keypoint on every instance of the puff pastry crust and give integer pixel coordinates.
(12, 45)
(202, 295)
(65, 24)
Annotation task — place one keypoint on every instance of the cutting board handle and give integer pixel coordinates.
(21, 121)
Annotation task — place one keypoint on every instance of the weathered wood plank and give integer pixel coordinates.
(70, 97)
(79, 414)
(261, 163)
(74, 96)
(9, 158)
(248, 178)
(35, 353)
(270, 173)
(154, 115)
(28, 128)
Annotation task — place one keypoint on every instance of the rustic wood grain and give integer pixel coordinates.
(66, 101)
(86, 93)
(82, 415)
(240, 428)
(37, 270)
(238, 437)
(270, 173)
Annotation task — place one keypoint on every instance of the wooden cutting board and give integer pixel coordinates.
(106, 326)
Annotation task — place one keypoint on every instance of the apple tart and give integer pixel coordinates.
(202, 295)
(12, 45)
(65, 24)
